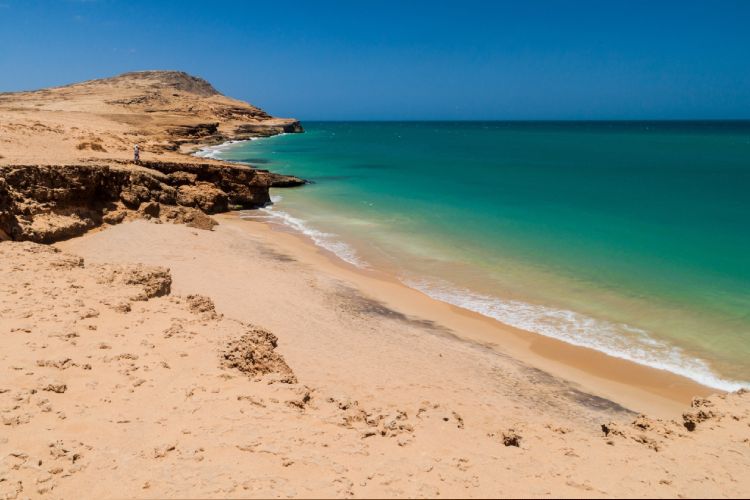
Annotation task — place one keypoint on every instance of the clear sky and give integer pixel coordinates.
(463, 59)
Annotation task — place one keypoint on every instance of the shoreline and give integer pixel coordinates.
(351, 254)
(641, 388)
(210, 151)
(704, 377)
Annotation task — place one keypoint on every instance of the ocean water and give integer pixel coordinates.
(632, 238)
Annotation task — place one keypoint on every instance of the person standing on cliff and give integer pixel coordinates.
(137, 154)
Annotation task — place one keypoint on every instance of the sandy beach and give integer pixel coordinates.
(383, 402)
(148, 355)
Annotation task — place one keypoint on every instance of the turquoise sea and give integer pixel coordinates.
(632, 238)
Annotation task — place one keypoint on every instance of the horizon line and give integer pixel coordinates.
(529, 120)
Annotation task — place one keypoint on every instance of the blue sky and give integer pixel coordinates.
(463, 59)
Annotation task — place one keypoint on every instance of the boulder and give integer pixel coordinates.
(203, 195)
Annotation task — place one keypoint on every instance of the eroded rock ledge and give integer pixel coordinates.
(65, 154)
(210, 134)
(47, 203)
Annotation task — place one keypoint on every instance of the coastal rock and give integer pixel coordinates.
(285, 181)
(191, 217)
(114, 216)
(202, 195)
(150, 208)
(179, 178)
(259, 129)
(202, 306)
(47, 203)
(133, 195)
(8, 222)
(254, 354)
(195, 131)
(151, 281)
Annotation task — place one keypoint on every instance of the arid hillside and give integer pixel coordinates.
(66, 155)
(165, 112)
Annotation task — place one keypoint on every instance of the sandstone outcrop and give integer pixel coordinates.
(255, 130)
(254, 354)
(47, 203)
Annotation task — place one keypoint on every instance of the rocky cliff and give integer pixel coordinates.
(66, 154)
(46, 203)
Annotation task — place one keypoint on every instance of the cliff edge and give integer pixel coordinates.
(66, 154)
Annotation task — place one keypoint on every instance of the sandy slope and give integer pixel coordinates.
(397, 405)
(165, 112)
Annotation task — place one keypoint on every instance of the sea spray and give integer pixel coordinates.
(327, 241)
(615, 339)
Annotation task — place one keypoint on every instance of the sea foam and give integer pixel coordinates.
(214, 152)
(327, 241)
(614, 339)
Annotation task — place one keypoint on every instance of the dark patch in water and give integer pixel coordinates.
(259, 161)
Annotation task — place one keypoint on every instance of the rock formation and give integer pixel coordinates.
(46, 203)
(85, 176)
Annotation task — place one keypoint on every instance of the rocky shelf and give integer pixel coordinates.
(66, 161)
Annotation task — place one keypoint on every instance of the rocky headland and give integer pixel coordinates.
(66, 155)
